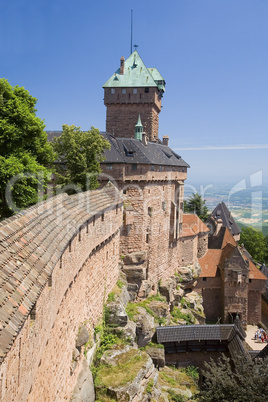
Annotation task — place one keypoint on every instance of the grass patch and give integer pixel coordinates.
(150, 386)
(192, 372)
(173, 396)
(180, 278)
(173, 377)
(153, 345)
(120, 284)
(131, 310)
(177, 314)
(126, 369)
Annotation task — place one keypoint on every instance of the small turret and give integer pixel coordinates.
(138, 129)
(122, 65)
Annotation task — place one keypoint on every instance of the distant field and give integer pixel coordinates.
(248, 207)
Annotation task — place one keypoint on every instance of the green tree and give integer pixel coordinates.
(24, 150)
(79, 156)
(197, 205)
(255, 243)
(246, 382)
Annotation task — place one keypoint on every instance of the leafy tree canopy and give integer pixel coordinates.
(23, 149)
(79, 156)
(255, 243)
(247, 382)
(197, 205)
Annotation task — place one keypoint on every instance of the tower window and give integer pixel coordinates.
(124, 91)
(146, 90)
(135, 91)
(112, 91)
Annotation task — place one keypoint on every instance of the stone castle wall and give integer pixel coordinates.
(122, 117)
(38, 365)
(151, 224)
(255, 288)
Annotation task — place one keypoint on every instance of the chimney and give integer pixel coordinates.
(144, 139)
(165, 140)
(122, 65)
(218, 227)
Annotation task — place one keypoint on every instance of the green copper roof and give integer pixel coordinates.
(136, 74)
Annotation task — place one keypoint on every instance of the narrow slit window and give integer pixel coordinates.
(49, 281)
(33, 313)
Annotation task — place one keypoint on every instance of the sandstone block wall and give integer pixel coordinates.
(38, 366)
(121, 119)
(189, 249)
(202, 245)
(150, 225)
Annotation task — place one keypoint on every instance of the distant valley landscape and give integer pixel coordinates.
(249, 207)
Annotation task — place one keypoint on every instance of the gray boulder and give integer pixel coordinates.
(135, 258)
(145, 327)
(135, 273)
(116, 315)
(145, 289)
(128, 331)
(82, 337)
(185, 274)
(84, 389)
(134, 389)
(157, 355)
(166, 289)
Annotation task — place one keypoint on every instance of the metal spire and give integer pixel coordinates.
(131, 32)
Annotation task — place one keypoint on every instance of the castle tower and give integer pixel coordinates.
(133, 90)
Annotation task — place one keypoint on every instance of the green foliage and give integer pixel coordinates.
(177, 314)
(197, 205)
(152, 345)
(255, 243)
(179, 276)
(175, 397)
(247, 382)
(192, 372)
(131, 310)
(127, 366)
(111, 297)
(120, 284)
(23, 149)
(79, 156)
(150, 386)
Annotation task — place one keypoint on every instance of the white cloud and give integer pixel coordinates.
(222, 147)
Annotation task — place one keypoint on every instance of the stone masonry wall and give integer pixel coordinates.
(37, 368)
(202, 245)
(189, 247)
(121, 119)
(149, 225)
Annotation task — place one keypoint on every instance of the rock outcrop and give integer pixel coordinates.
(84, 389)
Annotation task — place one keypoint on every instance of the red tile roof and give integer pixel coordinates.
(209, 263)
(192, 225)
(254, 272)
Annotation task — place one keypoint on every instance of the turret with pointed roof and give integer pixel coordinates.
(131, 91)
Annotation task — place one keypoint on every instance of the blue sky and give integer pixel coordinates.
(212, 54)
